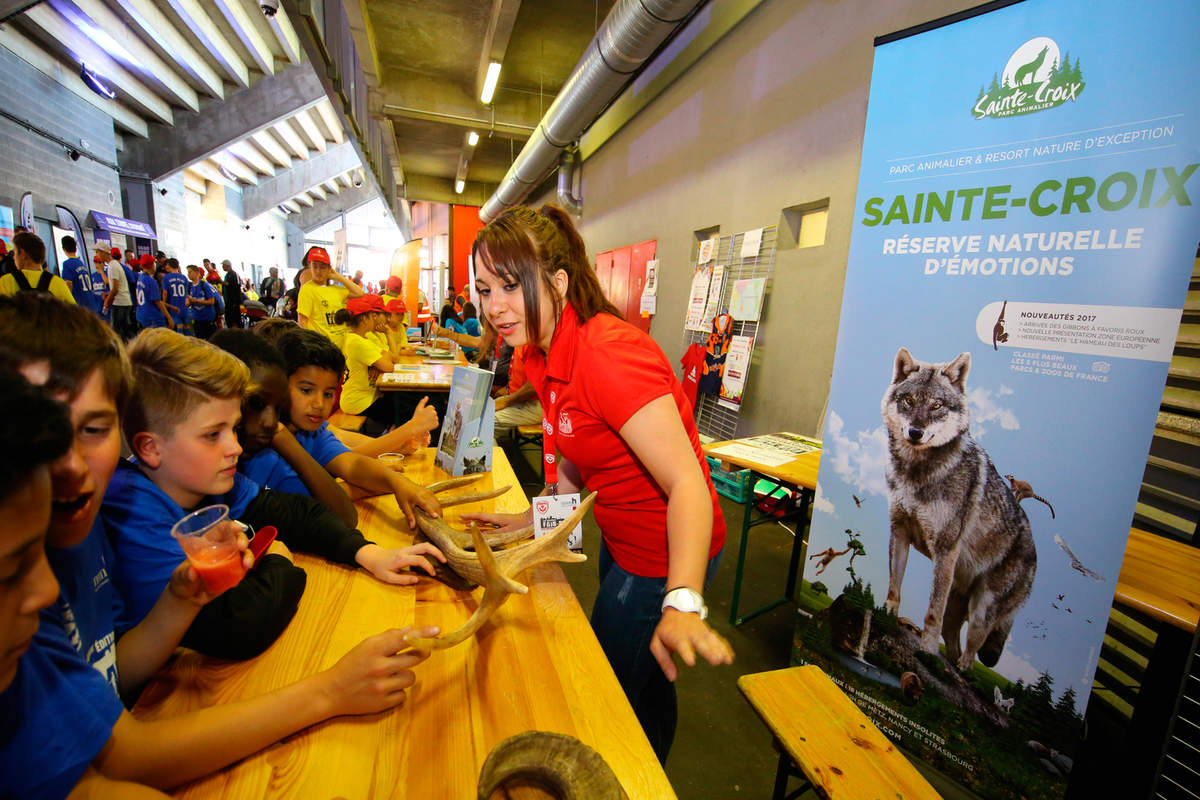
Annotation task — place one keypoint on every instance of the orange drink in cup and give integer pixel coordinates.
(209, 539)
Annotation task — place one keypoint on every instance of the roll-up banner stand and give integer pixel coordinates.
(1026, 223)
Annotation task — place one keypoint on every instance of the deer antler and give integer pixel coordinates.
(495, 570)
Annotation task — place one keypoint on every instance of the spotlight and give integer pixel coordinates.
(94, 83)
(472, 139)
(459, 185)
(73, 154)
(162, 191)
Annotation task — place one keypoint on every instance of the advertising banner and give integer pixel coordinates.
(1025, 227)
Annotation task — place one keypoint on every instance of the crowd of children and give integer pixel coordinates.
(96, 593)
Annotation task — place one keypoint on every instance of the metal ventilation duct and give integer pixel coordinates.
(631, 33)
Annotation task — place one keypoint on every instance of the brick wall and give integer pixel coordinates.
(29, 162)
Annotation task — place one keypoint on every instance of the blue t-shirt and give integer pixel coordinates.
(322, 445)
(148, 313)
(60, 709)
(471, 328)
(175, 287)
(80, 277)
(203, 291)
(99, 289)
(140, 516)
(269, 470)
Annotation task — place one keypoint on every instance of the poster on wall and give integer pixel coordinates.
(1023, 236)
(712, 305)
(737, 364)
(698, 300)
(6, 226)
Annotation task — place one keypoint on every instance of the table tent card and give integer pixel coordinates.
(468, 431)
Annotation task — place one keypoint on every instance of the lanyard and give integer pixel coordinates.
(549, 458)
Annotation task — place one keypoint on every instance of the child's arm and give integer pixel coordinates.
(370, 678)
(309, 526)
(424, 420)
(145, 648)
(369, 474)
(320, 483)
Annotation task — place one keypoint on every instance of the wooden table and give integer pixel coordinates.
(1161, 578)
(838, 749)
(800, 474)
(535, 665)
(421, 374)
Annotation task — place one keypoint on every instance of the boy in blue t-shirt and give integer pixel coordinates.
(175, 287)
(77, 275)
(99, 287)
(271, 456)
(315, 368)
(181, 426)
(202, 300)
(61, 713)
(151, 310)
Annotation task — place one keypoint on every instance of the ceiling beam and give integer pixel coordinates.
(57, 32)
(211, 173)
(495, 42)
(38, 58)
(195, 182)
(270, 145)
(154, 25)
(285, 35)
(304, 199)
(243, 27)
(291, 138)
(318, 192)
(320, 213)
(515, 116)
(310, 130)
(332, 186)
(196, 19)
(104, 27)
(236, 166)
(331, 122)
(220, 123)
(302, 177)
(364, 40)
(247, 152)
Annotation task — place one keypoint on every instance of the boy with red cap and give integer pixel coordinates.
(323, 296)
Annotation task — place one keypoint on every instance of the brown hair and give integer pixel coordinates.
(74, 341)
(31, 245)
(174, 374)
(527, 247)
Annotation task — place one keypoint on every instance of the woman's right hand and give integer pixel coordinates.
(501, 522)
(374, 675)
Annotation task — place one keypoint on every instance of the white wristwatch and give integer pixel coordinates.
(686, 600)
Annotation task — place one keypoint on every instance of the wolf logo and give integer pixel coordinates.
(946, 499)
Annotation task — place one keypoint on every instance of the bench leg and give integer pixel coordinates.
(784, 771)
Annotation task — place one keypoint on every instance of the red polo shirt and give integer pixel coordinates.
(603, 372)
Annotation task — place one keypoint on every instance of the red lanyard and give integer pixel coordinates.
(549, 458)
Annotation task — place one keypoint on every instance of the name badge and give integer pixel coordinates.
(550, 511)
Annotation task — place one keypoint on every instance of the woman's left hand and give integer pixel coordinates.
(685, 634)
(388, 565)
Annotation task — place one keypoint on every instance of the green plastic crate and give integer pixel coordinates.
(737, 486)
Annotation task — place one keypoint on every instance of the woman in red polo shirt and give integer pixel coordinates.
(622, 427)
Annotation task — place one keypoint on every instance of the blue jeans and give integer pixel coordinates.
(628, 608)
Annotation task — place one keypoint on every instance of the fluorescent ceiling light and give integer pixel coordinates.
(489, 82)
(93, 82)
(459, 185)
(472, 139)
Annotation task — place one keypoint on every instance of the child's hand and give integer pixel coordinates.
(386, 565)
(425, 418)
(185, 584)
(409, 494)
(416, 443)
(280, 549)
(373, 676)
(502, 522)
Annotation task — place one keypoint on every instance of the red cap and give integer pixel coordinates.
(395, 285)
(3, 248)
(317, 254)
(397, 306)
(115, 253)
(361, 305)
(146, 260)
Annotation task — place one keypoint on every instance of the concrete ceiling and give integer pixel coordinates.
(425, 69)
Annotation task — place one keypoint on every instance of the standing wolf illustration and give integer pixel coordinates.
(946, 499)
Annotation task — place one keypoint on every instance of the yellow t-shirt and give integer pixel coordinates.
(319, 304)
(359, 390)
(58, 287)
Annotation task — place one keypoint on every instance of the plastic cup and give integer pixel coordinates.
(210, 542)
(393, 461)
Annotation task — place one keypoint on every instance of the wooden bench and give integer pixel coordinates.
(837, 749)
